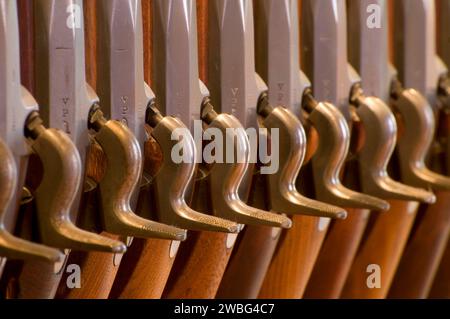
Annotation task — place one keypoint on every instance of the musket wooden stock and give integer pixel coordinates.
(338, 249)
(429, 236)
(336, 255)
(427, 243)
(98, 270)
(424, 250)
(144, 271)
(33, 279)
(382, 247)
(252, 253)
(307, 245)
(256, 246)
(249, 263)
(294, 259)
(368, 254)
(384, 240)
(199, 267)
(27, 76)
(146, 266)
(299, 247)
(25, 8)
(441, 288)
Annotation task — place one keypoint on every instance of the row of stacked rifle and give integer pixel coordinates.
(115, 116)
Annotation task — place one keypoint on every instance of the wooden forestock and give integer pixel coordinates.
(146, 266)
(199, 267)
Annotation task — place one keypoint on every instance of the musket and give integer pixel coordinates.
(242, 91)
(13, 149)
(252, 256)
(199, 266)
(332, 84)
(440, 287)
(416, 21)
(72, 105)
(377, 123)
(61, 165)
(174, 31)
(132, 102)
(388, 235)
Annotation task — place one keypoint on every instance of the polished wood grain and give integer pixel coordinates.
(256, 246)
(382, 245)
(336, 255)
(340, 247)
(249, 263)
(294, 259)
(201, 262)
(199, 268)
(27, 77)
(441, 287)
(33, 279)
(385, 238)
(93, 264)
(29, 279)
(144, 272)
(342, 240)
(148, 43)
(430, 233)
(26, 23)
(146, 266)
(252, 253)
(296, 253)
(28, 285)
(299, 247)
(98, 270)
(424, 250)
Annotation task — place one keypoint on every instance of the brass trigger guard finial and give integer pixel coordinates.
(56, 192)
(226, 177)
(284, 196)
(121, 178)
(334, 142)
(381, 136)
(10, 246)
(173, 179)
(419, 126)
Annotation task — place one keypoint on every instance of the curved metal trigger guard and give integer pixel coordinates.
(226, 178)
(57, 190)
(284, 196)
(419, 127)
(174, 178)
(121, 178)
(334, 142)
(13, 247)
(381, 136)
